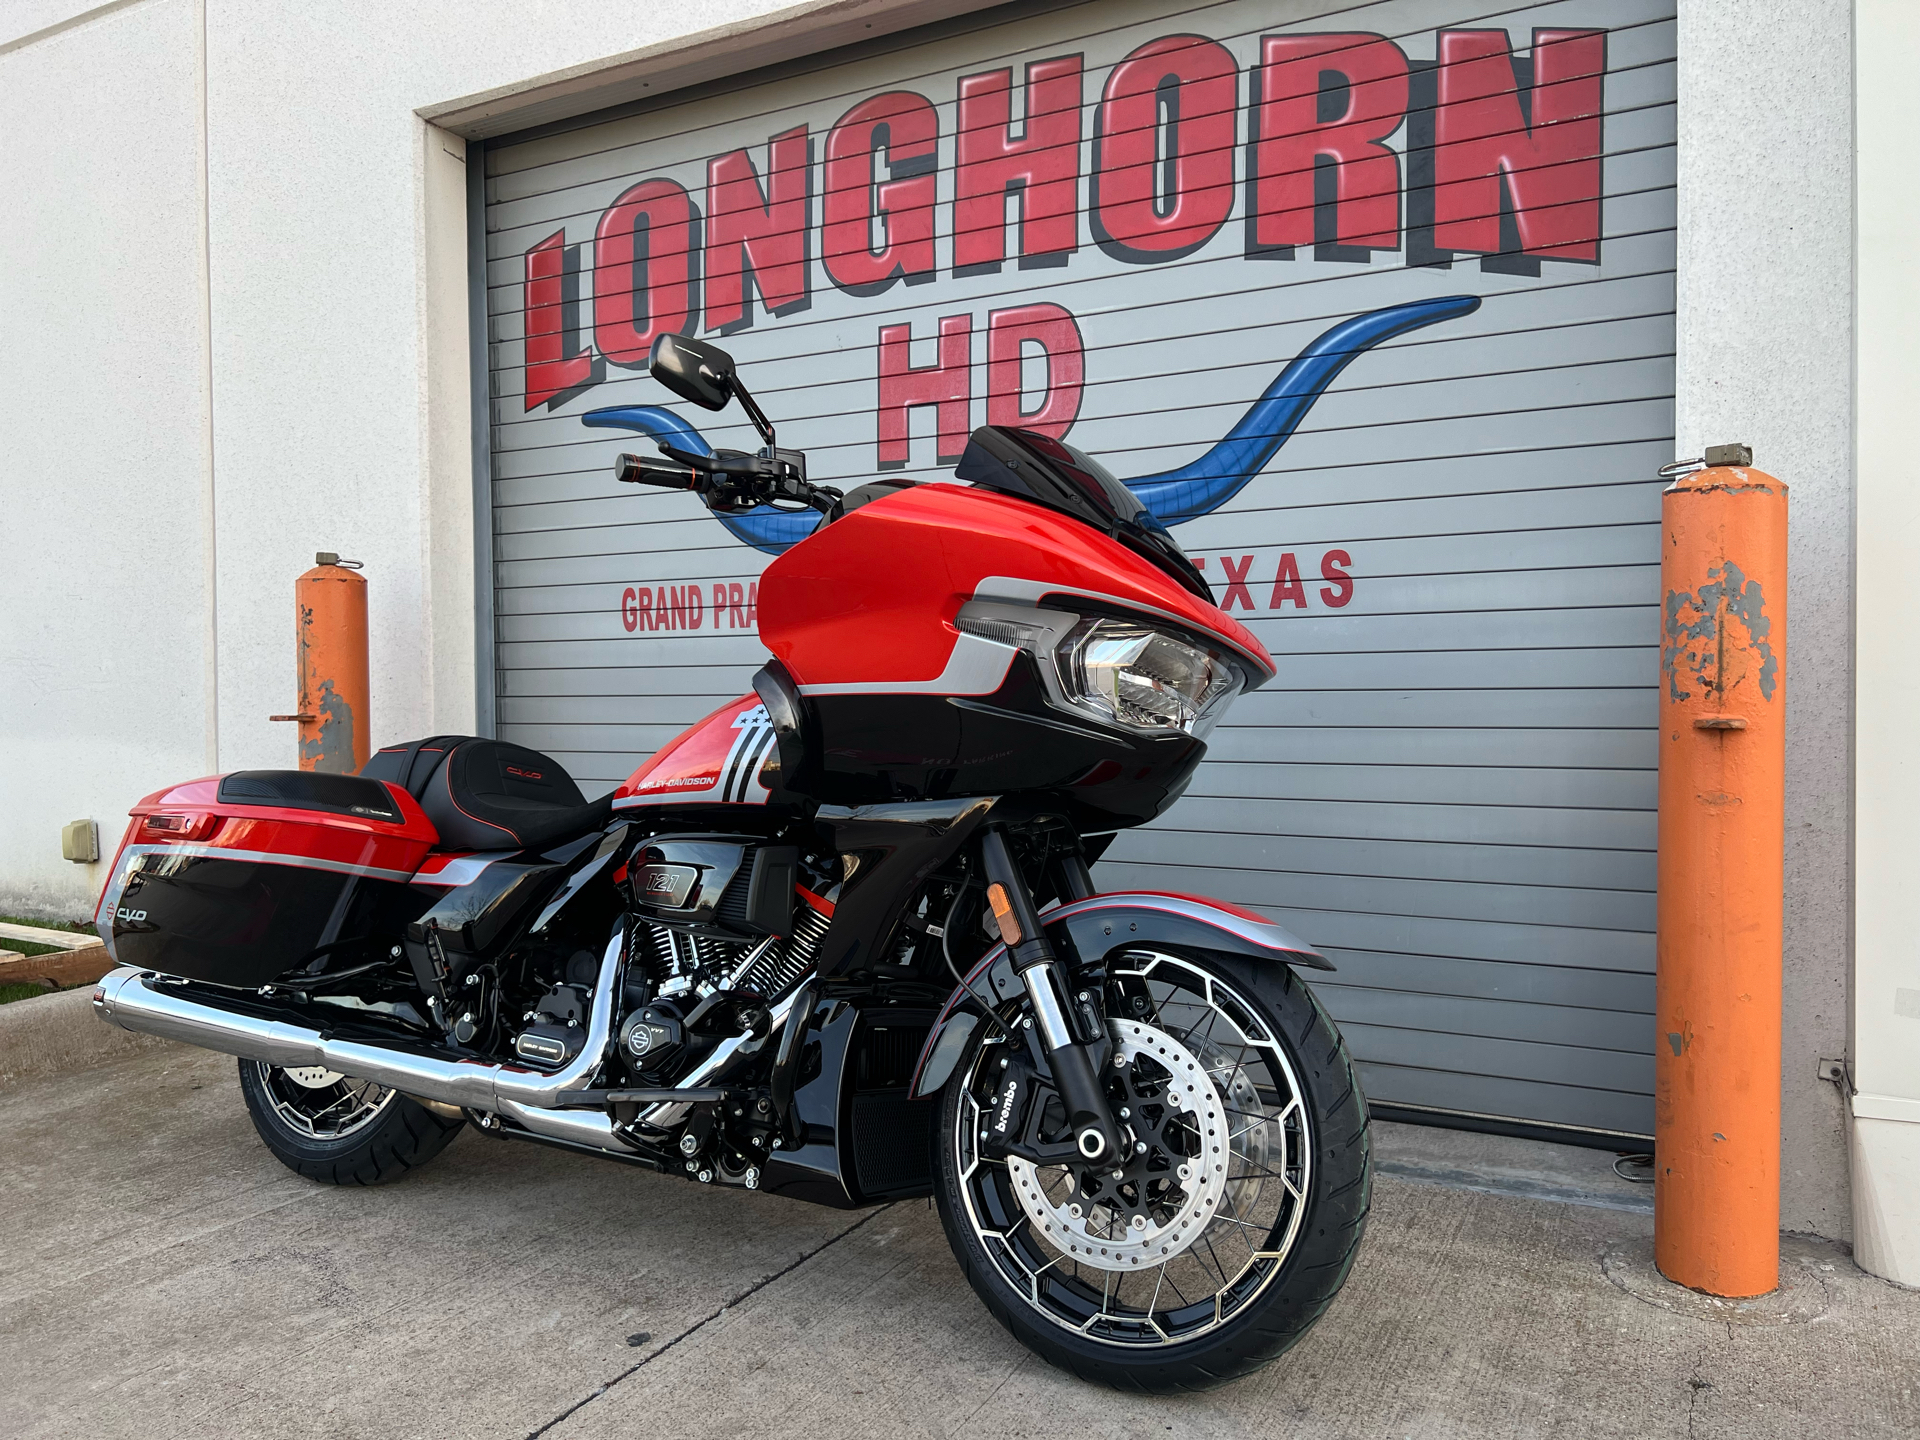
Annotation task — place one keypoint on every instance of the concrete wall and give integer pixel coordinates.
(1885, 1047)
(1765, 353)
(105, 542)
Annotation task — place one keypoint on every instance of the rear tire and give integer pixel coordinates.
(340, 1131)
(1300, 1186)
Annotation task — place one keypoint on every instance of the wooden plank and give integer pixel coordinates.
(35, 935)
(70, 967)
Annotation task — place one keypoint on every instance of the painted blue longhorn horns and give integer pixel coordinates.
(1174, 496)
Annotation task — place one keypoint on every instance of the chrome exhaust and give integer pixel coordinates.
(141, 1001)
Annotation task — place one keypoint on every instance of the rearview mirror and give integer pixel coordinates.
(693, 370)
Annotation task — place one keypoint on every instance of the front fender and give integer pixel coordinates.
(1087, 932)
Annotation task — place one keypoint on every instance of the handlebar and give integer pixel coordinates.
(637, 470)
(729, 481)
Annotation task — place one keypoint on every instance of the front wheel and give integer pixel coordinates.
(1226, 1234)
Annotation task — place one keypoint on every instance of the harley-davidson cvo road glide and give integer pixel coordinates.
(838, 941)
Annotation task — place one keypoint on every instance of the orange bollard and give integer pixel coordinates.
(330, 609)
(1723, 582)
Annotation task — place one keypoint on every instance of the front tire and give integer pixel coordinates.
(1070, 1262)
(341, 1131)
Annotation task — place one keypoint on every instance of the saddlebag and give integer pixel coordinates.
(240, 879)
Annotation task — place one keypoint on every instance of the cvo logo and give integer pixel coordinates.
(132, 917)
(525, 774)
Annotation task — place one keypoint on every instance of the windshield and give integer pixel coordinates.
(1064, 477)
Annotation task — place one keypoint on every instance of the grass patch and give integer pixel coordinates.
(21, 992)
(27, 947)
(77, 927)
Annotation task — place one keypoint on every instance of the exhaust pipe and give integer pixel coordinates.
(131, 999)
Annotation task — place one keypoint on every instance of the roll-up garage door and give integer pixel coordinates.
(1422, 252)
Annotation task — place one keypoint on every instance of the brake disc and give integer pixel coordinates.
(1150, 1208)
(312, 1077)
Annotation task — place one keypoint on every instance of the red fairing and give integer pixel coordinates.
(716, 762)
(870, 599)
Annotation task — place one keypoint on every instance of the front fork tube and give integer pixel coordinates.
(1075, 1068)
(1074, 1062)
(1072, 878)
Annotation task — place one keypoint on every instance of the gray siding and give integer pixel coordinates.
(1450, 785)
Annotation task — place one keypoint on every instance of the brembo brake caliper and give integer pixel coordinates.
(1071, 1056)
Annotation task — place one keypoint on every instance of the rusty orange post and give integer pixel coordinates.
(330, 611)
(1723, 583)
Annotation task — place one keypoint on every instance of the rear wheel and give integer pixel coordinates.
(337, 1130)
(1228, 1231)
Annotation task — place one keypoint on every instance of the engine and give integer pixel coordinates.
(722, 933)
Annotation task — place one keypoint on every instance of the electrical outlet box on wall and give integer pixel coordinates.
(80, 842)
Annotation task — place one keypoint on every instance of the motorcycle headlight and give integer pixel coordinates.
(1132, 675)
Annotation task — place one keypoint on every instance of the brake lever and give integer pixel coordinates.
(689, 458)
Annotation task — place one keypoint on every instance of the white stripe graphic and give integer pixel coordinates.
(260, 857)
(461, 870)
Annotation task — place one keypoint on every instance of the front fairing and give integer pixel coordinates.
(911, 700)
(868, 603)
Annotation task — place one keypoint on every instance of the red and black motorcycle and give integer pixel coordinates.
(838, 941)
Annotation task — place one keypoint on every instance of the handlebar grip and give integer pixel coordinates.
(638, 470)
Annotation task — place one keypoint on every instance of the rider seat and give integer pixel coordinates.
(489, 795)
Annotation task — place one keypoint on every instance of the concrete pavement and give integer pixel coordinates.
(55, 1033)
(164, 1276)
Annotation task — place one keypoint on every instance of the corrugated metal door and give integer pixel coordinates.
(1121, 222)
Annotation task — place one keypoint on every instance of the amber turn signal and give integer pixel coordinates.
(1003, 913)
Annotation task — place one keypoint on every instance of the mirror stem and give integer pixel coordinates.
(754, 413)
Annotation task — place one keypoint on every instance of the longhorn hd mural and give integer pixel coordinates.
(1372, 303)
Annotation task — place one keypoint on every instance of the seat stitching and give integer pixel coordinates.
(447, 771)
